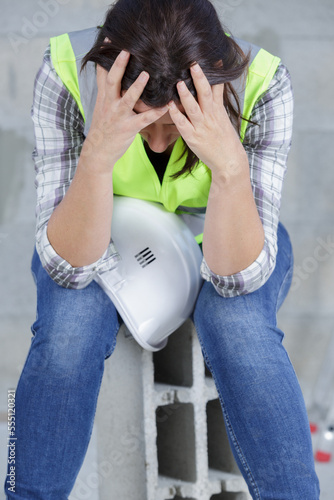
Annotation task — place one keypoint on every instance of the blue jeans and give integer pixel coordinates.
(263, 407)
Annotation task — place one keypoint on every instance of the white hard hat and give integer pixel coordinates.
(156, 284)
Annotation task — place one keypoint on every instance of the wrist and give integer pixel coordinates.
(233, 176)
(95, 164)
(95, 158)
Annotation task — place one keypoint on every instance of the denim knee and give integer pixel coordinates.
(72, 327)
(237, 333)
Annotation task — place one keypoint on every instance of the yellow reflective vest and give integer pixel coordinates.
(134, 175)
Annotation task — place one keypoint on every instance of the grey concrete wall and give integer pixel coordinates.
(301, 33)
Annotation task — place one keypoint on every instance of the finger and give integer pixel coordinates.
(142, 120)
(191, 106)
(101, 78)
(203, 88)
(182, 123)
(101, 74)
(134, 92)
(218, 94)
(115, 75)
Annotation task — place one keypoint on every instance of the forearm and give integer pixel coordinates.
(80, 224)
(79, 228)
(233, 233)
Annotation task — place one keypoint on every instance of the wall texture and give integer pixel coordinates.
(301, 33)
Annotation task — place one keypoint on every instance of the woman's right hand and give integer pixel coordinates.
(115, 123)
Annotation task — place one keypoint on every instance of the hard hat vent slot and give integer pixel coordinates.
(145, 257)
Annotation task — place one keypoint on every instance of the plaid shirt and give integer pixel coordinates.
(59, 134)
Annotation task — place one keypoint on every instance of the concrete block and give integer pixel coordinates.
(230, 496)
(167, 424)
(87, 484)
(120, 424)
(219, 452)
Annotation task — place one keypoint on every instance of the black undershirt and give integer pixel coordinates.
(158, 160)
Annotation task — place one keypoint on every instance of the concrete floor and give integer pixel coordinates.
(301, 33)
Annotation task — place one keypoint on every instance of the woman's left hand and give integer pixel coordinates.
(206, 127)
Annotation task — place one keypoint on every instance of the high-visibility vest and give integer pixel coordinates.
(134, 175)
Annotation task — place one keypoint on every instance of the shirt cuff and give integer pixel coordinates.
(245, 281)
(73, 277)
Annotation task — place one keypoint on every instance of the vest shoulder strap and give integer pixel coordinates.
(67, 52)
(260, 73)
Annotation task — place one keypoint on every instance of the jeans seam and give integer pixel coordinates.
(33, 331)
(288, 276)
(92, 426)
(111, 350)
(230, 430)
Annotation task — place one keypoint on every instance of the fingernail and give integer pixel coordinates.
(195, 67)
(106, 40)
(124, 54)
(143, 76)
(182, 87)
(171, 105)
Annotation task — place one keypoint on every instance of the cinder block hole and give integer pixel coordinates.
(219, 450)
(207, 371)
(225, 495)
(183, 498)
(176, 441)
(173, 364)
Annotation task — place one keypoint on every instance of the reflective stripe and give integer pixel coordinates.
(82, 42)
(194, 217)
(191, 210)
(195, 222)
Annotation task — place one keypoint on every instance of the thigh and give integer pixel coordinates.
(241, 331)
(264, 302)
(71, 325)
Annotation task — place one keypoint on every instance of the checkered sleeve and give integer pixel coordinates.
(59, 135)
(267, 143)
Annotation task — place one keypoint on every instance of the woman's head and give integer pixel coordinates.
(165, 38)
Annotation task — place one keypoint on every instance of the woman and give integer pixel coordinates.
(153, 105)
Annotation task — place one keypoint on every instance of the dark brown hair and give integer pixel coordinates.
(165, 38)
